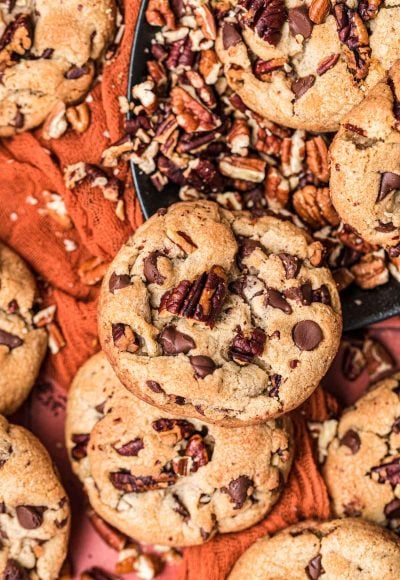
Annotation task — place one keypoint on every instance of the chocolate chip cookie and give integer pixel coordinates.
(337, 549)
(218, 315)
(34, 509)
(306, 64)
(362, 469)
(163, 479)
(48, 53)
(22, 346)
(365, 165)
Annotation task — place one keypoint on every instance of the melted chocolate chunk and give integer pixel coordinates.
(131, 449)
(30, 517)
(202, 365)
(302, 85)
(155, 387)
(238, 490)
(230, 35)
(185, 428)
(299, 22)
(81, 440)
(351, 439)
(150, 269)
(174, 342)
(275, 299)
(314, 568)
(292, 265)
(10, 340)
(14, 571)
(118, 281)
(389, 182)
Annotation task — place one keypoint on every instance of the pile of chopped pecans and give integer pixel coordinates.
(187, 128)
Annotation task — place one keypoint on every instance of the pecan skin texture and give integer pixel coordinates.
(266, 18)
(319, 10)
(190, 113)
(245, 348)
(370, 272)
(317, 158)
(200, 300)
(159, 13)
(314, 206)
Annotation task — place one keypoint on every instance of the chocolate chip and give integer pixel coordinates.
(352, 510)
(385, 227)
(203, 366)
(238, 490)
(155, 387)
(246, 247)
(299, 22)
(314, 568)
(30, 517)
(76, 72)
(118, 281)
(100, 408)
(307, 335)
(351, 439)
(294, 363)
(150, 269)
(321, 295)
(292, 265)
(10, 340)
(14, 571)
(388, 472)
(197, 450)
(276, 300)
(179, 400)
(276, 381)
(185, 428)
(392, 509)
(79, 451)
(302, 85)
(12, 307)
(162, 211)
(180, 508)
(389, 182)
(174, 342)
(230, 35)
(131, 449)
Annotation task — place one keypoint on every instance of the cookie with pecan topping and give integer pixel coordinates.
(362, 469)
(306, 64)
(365, 165)
(34, 508)
(219, 315)
(22, 345)
(48, 55)
(165, 479)
(336, 549)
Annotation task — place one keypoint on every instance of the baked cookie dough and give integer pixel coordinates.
(365, 165)
(22, 346)
(163, 479)
(219, 315)
(362, 468)
(345, 549)
(306, 64)
(34, 509)
(48, 51)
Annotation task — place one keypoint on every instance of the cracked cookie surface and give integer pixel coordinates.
(219, 315)
(48, 51)
(365, 165)
(22, 346)
(345, 549)
(362, 469)
(164, 479)
(306, 64)
(34, 509)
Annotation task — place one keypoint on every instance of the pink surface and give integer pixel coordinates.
(44, 415)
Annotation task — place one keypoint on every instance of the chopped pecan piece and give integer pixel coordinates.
(79, 451)
(159, 13)
(369, 9)
(354, 34)
(205, 20)
(124, 338)
(387, 472)
(128, 483)
(191, 115)
(16, 40)
(182, 428)
(200, 300)
(197, 450)
(370, 272)
(319, 10)
(277, 189)
(378, 360)
(110, 535)
(264, 68)
(248, 169)
(244, 348)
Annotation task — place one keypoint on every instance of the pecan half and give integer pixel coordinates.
(238, 138)
(159, 13)
(319, 10)
(200, 300)
(16, 40)
(128, 483)
(314, 206)
(266, 18)
(387, 472)
(276, 189)
(369, 9)
(244, 348)
(248, 169)
(354, 34)
(317, 158)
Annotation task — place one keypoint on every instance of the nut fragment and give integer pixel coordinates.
(205, 19)
(379, 360)
(319, 10)
(55, 124)
(238, 138)
(370, 272)
(209, 66)
(79, 117)
(190, 113)
(276, 189)
(110, 535)
(45, 316)
(248, 169)
(159, 13)
(55, 208)
(91, 271)
(56, 339)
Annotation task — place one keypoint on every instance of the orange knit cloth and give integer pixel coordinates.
(30, 165)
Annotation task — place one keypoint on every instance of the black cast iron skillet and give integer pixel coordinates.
(360, 307)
